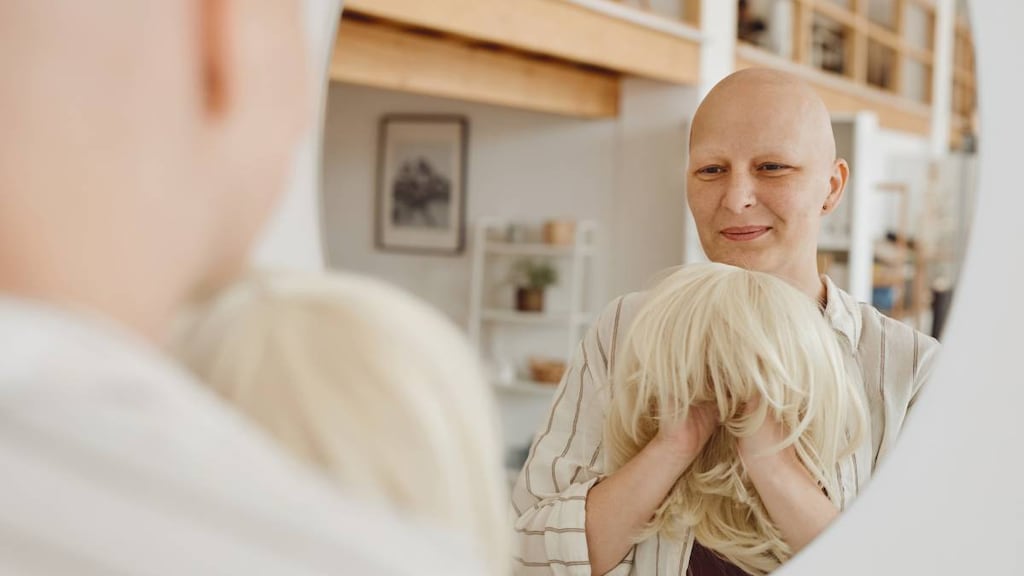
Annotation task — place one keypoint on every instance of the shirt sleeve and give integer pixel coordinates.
(565, 461)
(926, 353)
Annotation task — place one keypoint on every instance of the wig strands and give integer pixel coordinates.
(712, 333)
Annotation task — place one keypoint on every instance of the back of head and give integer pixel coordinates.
(367, 383)
(713, 333)
(144, 144)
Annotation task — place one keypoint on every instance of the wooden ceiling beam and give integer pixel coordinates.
(382, 56)
(555, 28)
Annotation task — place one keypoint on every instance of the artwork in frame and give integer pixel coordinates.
(421, 184)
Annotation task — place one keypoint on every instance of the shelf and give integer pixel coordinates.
(380, 55)
(834, 246)
(535, 249)
(526, 387)
(532, 318)
(595, 35)
(842, 94)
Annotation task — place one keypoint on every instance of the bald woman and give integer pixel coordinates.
(762, 174)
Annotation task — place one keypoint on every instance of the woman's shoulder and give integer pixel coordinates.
(616, 316)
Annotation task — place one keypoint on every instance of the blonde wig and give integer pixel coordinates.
(713, 333)
(366, 383)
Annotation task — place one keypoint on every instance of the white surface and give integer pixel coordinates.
(863, 185)
(647, 228)
(530, 249)
(904, 159)
(717, 56)
(514, 317)
(527, 387)
(948, 500)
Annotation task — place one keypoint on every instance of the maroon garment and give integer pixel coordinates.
(704, 562)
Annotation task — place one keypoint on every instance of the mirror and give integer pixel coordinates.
(550, 180)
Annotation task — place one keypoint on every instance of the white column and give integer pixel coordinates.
(718, 50)
(942, 76)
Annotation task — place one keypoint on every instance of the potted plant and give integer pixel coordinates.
(531, 278)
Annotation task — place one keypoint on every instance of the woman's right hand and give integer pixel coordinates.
(683, 440)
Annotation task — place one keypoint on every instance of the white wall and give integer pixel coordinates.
(520, 166)
(625, 173)
(648, 229)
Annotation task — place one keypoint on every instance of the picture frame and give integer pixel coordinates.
(421, 184)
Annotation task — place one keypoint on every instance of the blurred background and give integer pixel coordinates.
(518, 164)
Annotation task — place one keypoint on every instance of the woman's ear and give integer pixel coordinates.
(213, 52)
(837, 185)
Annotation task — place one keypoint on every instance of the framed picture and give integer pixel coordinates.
(421, 184)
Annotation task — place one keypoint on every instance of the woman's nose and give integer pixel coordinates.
(740, 193)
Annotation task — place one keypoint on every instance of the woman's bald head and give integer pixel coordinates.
(766, 105)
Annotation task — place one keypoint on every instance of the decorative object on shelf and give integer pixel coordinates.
(421, 184)
(828, 45)
(749, 27)
(560, 232)
(531, 278)
(546, 370)
(517, 233)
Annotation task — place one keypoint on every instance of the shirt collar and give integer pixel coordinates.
(842, 312)
(39, 338)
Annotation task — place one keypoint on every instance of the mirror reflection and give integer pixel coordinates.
(613, 287)
(553, 197)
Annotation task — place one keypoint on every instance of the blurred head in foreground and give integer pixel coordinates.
(368, 384)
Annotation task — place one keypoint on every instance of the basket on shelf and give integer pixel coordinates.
(546, 370)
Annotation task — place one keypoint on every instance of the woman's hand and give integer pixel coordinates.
(684, 440)
(762, 445)
(792, 497)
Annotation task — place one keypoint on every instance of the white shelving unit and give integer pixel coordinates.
(526, 388)
(513, 317)
(486, 311)
(535, 249)
(503, 335)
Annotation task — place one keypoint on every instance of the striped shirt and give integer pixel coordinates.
(114, 462)
(891, 359)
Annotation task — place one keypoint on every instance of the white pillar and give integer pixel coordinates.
(942, 76)
(718, 50)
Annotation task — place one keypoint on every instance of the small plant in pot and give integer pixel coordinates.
(531, 278)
